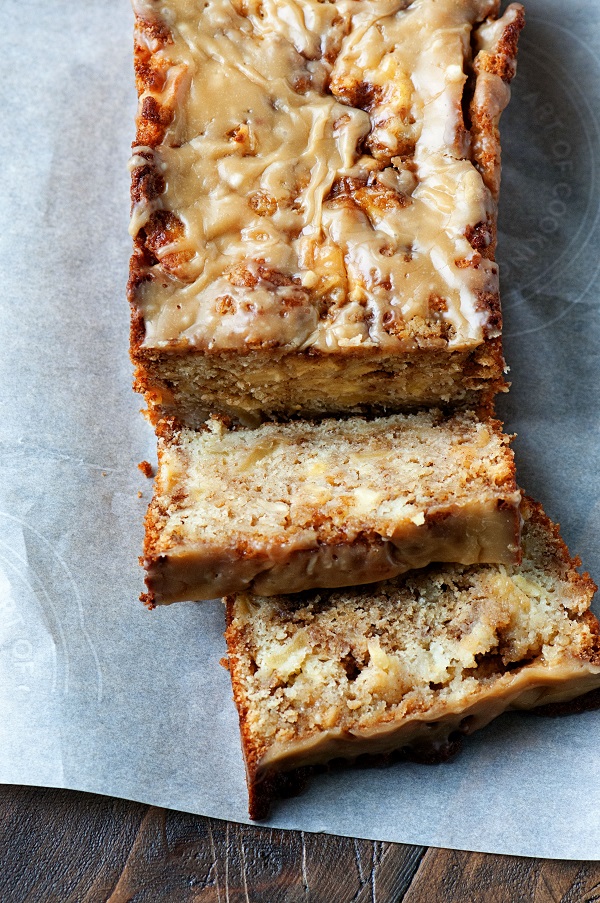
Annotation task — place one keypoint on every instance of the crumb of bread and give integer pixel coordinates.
(146, 468)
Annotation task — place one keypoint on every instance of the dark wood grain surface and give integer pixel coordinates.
(58, 845)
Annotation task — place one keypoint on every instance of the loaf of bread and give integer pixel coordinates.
(287, 507)
(314, 192)
(314, 206)
(411, 664)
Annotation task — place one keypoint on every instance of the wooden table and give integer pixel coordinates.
(58, 846)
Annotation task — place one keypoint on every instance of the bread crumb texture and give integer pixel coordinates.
(357, 659)
(328, 482)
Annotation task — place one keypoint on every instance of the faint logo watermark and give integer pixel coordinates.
(43, 634)
(549, 226)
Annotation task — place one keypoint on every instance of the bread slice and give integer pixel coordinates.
(411, 664)
(288, 507)
(314, 189)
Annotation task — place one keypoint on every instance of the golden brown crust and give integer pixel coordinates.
(155, 114)
(494, 65)
(147, 184)
(556, 549)
(259, 798)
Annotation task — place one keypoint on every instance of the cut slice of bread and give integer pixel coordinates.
(289, 507)
(408, 665)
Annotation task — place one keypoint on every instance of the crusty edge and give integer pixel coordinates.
(495, 43)
(259, 798)
(147, 183)
(533, 511)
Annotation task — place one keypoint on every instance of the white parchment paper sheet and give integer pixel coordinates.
(96, 693)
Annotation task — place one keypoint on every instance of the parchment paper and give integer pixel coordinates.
(98, 694)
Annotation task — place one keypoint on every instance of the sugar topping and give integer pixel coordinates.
(316, 184)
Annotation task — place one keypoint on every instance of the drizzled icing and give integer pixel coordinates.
(319, 164)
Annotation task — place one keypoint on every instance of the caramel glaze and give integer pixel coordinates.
(304, 176)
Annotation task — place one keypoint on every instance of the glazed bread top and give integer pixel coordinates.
(304, 175)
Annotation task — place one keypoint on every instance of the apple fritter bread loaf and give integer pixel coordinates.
(314, 190)
(411, 664)
(286, 507)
